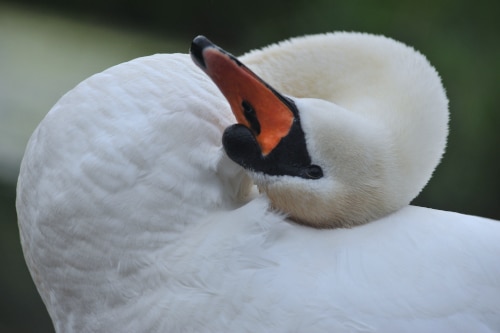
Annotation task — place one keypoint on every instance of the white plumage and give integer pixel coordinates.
(133, 219)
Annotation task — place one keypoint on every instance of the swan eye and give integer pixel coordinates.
(313, 172)
(251, 116)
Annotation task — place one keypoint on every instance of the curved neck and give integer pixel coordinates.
(373, 76)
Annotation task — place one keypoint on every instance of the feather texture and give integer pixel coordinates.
(132, 219)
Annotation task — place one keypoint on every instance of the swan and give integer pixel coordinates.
(265, 193)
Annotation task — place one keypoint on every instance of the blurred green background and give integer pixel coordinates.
(47, 49)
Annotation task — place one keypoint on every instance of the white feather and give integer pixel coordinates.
(132, 219)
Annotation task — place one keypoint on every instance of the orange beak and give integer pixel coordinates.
(254, 103)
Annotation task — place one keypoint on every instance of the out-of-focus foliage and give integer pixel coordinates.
(460, 38)
(266, 21)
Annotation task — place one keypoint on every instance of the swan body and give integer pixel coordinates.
(134, 218)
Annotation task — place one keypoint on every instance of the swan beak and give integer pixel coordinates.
(254, 103)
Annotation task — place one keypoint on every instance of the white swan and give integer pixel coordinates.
(133, 218)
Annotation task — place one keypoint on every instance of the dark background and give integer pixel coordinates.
(460, 38)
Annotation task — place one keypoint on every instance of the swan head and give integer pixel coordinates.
(318, 162)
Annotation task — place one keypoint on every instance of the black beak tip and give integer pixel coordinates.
(198, 44)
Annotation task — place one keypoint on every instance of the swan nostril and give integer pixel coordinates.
(251, 116)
